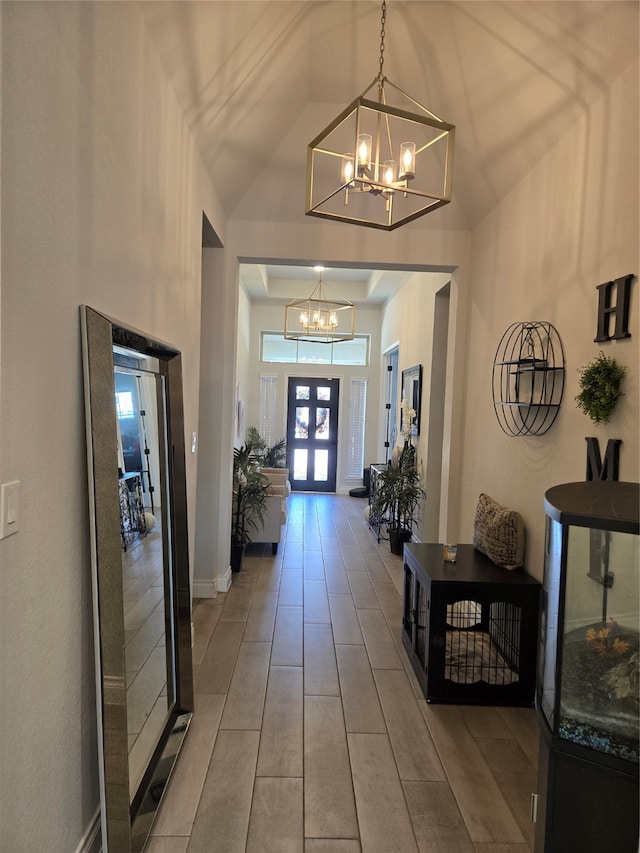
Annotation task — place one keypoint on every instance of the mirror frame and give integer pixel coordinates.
(412, 391)
(127, 816)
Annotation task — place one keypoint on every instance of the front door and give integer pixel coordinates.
(312, 433)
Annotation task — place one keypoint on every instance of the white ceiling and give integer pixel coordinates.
(259, 80)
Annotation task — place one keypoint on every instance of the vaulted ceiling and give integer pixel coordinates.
(259, 80)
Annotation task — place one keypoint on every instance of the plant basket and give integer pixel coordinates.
(397, 538)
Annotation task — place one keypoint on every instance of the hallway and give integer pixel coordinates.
(311, 734)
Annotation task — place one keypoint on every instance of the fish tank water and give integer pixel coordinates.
(588, 685)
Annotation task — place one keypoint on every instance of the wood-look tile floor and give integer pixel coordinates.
(310, 732)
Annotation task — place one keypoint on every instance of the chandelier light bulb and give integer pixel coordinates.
(389, 171)
(364, 152)
(347, 169)
(407, 160)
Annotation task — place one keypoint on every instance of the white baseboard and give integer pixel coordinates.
(204, 589)
(91, 841)
(223, 582)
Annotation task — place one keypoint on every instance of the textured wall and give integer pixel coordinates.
(102, 199)
(571, 225)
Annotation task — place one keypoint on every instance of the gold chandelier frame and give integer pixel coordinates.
(323, 317)
(361, 170)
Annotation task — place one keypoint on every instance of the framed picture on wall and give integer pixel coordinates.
(412, 393)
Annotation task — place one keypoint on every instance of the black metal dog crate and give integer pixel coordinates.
(470, 628)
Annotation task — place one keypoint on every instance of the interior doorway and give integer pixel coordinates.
(312, 433)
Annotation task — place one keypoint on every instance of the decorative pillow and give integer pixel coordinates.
(499, 533)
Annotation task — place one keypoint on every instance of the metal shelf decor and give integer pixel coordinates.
(528, 378)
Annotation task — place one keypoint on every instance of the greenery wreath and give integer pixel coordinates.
(600, 387)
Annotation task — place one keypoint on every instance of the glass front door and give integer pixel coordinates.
(312, 433)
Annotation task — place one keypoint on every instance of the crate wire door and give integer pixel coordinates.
(482, 642)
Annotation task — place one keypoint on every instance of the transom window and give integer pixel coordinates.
(274, 348)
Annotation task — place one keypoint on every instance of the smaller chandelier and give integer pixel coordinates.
(378, 164)
(323, 317)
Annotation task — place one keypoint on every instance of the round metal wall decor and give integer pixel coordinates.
(528, 378)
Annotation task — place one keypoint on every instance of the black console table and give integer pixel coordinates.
(470, 628)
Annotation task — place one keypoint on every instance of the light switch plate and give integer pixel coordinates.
(9, 506)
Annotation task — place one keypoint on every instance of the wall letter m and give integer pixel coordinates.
(596, 468)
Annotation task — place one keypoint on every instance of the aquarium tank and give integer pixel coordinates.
(588, 684)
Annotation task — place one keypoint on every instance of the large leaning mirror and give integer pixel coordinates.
(140, 568)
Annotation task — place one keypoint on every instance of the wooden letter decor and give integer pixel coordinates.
(597, 469)
(620, 309)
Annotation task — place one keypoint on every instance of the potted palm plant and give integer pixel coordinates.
(398, 497)
(270, 457)
(248, 503)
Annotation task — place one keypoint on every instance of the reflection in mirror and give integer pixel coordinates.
(149, 677)
(135, 443)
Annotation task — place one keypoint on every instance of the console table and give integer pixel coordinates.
(470, 628)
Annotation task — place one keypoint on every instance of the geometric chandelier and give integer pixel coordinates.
(380, 164)
(323, 317)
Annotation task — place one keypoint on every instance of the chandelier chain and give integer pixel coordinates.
(383, 20)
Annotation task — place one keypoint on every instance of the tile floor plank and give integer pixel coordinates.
(336, 576)
(411, 741)
(320, 668)
(436, 819)
(281, 739)
(378, 640)
(276, 819)
(215, 671)
(362, 711)
(167, 844)
(346, 628)
(364, 595)
(383, 816)
(286, 649)
(178, 808)
(223, 813)
(261, 619)
(332, 845)
(205, 618)
(316, 602)
(245, 701)
(290, 594)
(515, 775)
(329, 807)
(524, 727)
(484, 809)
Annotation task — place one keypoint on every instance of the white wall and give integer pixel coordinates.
(102, 200)
(409, 318)
(571, 225)
(244, 366)
(271, 318)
